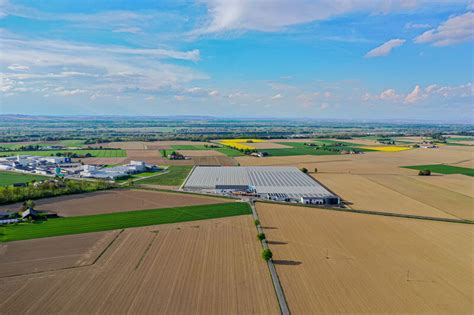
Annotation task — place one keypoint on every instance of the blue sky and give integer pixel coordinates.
(361, 59)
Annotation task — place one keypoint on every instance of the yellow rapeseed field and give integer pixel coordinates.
(392, 148)
(240, 144)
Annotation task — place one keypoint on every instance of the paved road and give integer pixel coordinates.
(276, 281)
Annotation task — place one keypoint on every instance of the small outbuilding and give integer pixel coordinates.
(30, 214)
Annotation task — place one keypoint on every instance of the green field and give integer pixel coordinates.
(224, 150)
(94, 153)
(120, 220)
(461, 139)
(298, 148)
(189, 147)
(72, 143)
(444, 169)
(138, 176)
(10, 178)
(175, 176)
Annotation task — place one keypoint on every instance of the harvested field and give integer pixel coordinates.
(268, 145)
(337, 262)
(458, 205)
(117, 201)
(218, 270)
(214, 160)
(292, 140)
(455, 182)
(39, 255)
(158, 145)
(200, 153)
(366, 193)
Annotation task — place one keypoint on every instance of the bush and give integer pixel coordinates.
(267, 254)
(304, 170)
(256, 222)
(424, 173)
(315, 169)
(261, 236)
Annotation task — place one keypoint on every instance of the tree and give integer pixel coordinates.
(256, 222)
(424, 173)
(267, 254)
(27, 204)
(315, 169)
(304, 170)
(261, 236)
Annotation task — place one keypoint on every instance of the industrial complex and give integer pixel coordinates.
(286, 184)
(65, 167)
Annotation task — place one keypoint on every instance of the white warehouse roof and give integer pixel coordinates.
(265, 179)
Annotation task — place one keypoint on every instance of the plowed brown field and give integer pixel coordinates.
(336, 262)
(117, 201)
(54, 253)
(206, 267)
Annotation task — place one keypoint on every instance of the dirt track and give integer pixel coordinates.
(206, 267)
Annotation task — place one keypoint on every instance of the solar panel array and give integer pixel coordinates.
(266, 180)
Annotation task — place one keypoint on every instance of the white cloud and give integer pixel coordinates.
(70, 92)
(266, 15)
(389, 94)
(414, 96)
(385, 48)
(277, 96)
(455, 30)
(411, 25)
(16, 67)
(109, 69)
(213, 93)
(194, 90)
(132, 30)
(179, 98)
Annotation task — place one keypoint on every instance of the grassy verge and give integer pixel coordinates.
(10, 178)
(444, 169)
(121, 220)
(174, 177)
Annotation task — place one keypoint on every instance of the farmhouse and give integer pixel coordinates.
(268, 182)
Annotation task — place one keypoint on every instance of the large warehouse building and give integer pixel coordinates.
(269, 182)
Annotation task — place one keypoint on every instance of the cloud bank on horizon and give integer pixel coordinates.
(284, 58)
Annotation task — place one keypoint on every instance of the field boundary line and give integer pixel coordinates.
(271, 266)
(187, 177)
(426, 185)
(147, 249)
(387, 214)
(71, 267)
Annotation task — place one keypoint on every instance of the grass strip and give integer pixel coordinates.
(120, 220)
(443, 169)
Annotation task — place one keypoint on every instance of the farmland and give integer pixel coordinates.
(94, 153)
(174, 176)
(119, 220)
(373, 262)
(10, 178)
(444, 169)
(117, 200)
(217, 270)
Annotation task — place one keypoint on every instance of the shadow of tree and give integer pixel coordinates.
(286, 262)
(277, 242)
